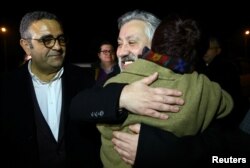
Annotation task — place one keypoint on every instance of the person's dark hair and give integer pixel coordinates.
(176, 37)
(104, 43)
(32, 17)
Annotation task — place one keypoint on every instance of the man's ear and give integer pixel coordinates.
(25, 45)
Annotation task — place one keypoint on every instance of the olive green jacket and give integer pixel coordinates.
(204, 101)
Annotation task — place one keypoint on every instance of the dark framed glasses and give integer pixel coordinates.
(107, 51)
(49, 41)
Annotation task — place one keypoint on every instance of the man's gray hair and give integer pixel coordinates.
(150, 19)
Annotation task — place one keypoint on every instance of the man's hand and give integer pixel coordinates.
(141, 99)
(126, 144)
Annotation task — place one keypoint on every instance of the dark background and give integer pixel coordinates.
(86, 25)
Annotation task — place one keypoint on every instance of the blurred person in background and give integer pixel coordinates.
(106, 66)
(215, 64)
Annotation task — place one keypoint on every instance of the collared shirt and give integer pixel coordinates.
(49, 97)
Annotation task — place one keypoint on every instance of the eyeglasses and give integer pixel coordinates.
(50, 41)
(107, 51)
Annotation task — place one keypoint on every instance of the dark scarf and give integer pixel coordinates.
(176, 64)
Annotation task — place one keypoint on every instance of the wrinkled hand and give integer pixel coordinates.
(126, 144)
(141, 99)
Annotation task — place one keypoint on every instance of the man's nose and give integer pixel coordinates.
(122, 51)
(57, 45)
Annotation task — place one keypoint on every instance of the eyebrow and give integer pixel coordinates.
(45, 36)
(50, 35)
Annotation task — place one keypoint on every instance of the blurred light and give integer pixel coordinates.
(247, 32)
(3, 29)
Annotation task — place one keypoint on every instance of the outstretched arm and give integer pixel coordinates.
(141, 99)
(104, 104)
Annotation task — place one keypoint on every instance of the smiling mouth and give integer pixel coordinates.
(127, 62)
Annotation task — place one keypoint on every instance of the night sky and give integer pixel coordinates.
(87, 25)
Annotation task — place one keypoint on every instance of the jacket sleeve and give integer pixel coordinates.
(98, 105)
(159, 148)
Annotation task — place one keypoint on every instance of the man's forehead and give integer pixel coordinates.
(133, 26)
(45, 26)
(134, 34)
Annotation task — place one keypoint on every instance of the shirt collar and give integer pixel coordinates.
(34, 77)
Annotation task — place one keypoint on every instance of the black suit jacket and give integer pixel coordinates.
(18, 129)
(88, 107)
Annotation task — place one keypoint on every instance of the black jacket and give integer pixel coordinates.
(18, 127)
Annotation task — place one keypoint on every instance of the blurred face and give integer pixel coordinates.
(212, 52)
(131, 41)
(46, 59)
(106, 53)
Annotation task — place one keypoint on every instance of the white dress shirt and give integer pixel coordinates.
(49, 97)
